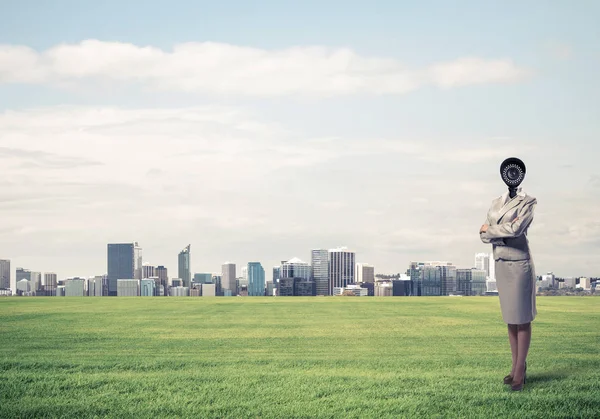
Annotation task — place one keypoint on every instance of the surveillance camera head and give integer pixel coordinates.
(513, 172)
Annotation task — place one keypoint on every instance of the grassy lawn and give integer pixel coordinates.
(292, 357)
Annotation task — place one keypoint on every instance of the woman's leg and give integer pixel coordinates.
(524, 338)
(514, 349)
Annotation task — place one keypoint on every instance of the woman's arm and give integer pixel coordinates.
(516, 227)
(486, 238)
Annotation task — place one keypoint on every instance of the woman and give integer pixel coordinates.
(508, 220)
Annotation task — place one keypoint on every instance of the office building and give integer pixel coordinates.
(75, 287)
(295, 268)
(36, 281)
(148, 271)
(365, 273)
(482, 262)
(228, 277)
(162, 274)
(147, 287)
(124, 262)
(447, 276)
(341, 267)
(217, 280)
(128, 287)
(5, 280)
(208, 290)
(180, 291)
(184, 266)
(585, 283)
(256, 279)
(320, 270)
(97, 286)
(478, 282)
(50, 280)
(275, 279)
(203, 278)
(23, 287)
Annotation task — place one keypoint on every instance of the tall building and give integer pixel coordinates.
(147, 287)
(36, 281)
(96, 286)
(549, 280)
(478, 284)
(50, 284)
(365, 273)
(23, 287)
(245, 272)
(256, 279)
(295, 268)
(319, 261)
(184, 266)
(75, 287)
(27, 275)
(148, 271)
(482, 262)
(163, 276)
(341, 268)
(228, 277)
(492, 272)
(124, 262)
(50, 280)
(128, 287)
(276, 275)
(5, 274)
(447, 276)
(216, 279)
(203, 278)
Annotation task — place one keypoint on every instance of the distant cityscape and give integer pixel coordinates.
(331, 272)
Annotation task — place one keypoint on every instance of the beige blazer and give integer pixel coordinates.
(508, 224)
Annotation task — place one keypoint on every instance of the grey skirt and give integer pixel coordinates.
(515, 280)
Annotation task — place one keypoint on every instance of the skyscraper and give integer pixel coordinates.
(320, 270)
(5, 274)
(22, 274)
(148, 271)
(36, 281)
(184, 266)
(365, 273)
(256, 279)
(124, 262)
(447, 276)
(482, 262)
(228, 277)
(50, 279)
(341, 268)
(295, 268)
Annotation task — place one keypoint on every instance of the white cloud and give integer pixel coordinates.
(210, 67)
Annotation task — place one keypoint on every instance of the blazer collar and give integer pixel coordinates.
(504, 208)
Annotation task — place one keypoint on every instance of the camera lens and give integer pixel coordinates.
(513, 173)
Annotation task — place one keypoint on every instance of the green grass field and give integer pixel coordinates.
(292, 357)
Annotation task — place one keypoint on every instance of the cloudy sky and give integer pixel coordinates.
(257, 132)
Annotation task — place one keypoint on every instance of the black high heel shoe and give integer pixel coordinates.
(519, 387)
(508, 379)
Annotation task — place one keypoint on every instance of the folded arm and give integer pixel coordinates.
(514, 228)
(489, 240)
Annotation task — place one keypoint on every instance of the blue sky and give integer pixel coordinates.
(298, 164)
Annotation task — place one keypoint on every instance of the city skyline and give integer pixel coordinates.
(380, 127)
(139, 267)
